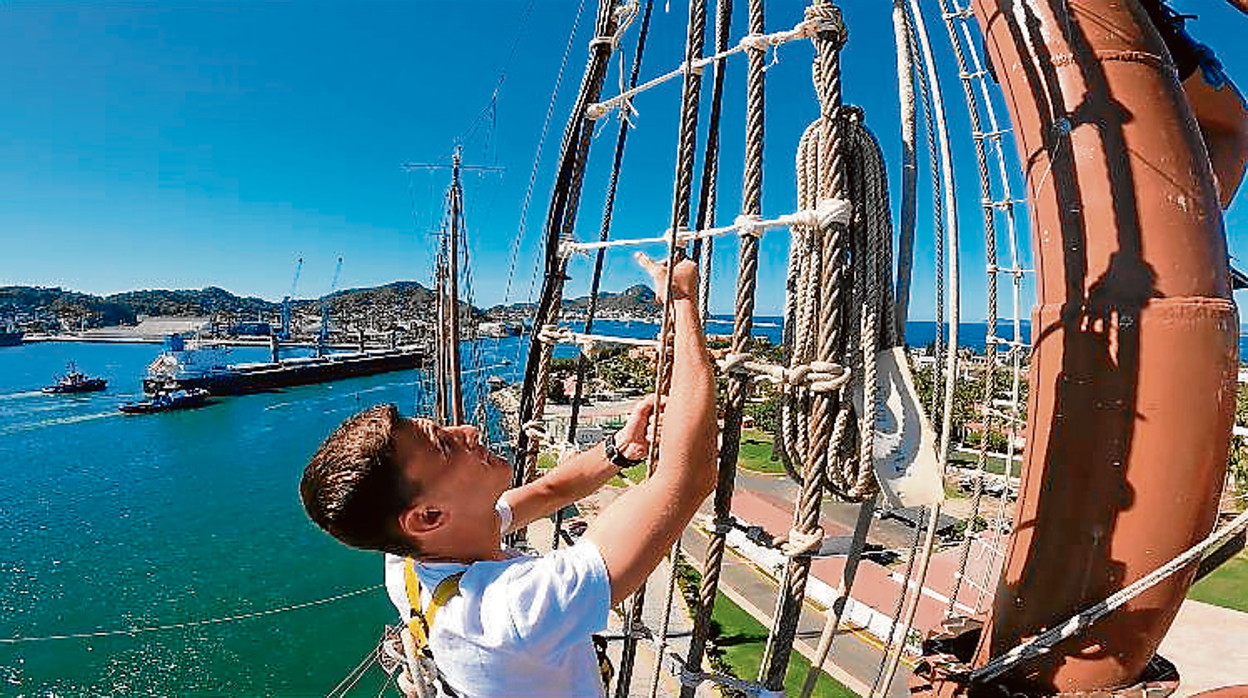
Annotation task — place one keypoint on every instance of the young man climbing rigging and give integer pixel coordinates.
(517, 625)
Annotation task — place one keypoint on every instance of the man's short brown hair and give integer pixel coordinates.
(355, 488)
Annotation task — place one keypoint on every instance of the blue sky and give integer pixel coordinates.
(179, 146)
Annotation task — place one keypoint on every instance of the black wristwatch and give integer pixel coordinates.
(616, 457)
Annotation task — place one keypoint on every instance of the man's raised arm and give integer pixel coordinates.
(637, 529)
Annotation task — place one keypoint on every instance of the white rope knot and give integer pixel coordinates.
(755, 42)
(623, 15)
(596, 111)
(535, 429)
(823, 216)
(750, 224)
(553, 334)
(734, 363)
(832, 211)
(801, 543)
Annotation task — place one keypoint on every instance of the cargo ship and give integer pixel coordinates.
(207, 366)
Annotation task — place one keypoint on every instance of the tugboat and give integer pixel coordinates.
(167, 401)
(11, 336)
(74, 381)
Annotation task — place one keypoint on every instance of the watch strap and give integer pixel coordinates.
(617, 457)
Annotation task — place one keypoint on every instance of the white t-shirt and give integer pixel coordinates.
(518, 627)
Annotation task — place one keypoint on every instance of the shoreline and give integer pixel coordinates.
(117, 338)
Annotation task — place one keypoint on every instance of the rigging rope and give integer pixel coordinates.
(754, 41)
(1041, 643)
(188, 624)
(946, 177)
(747, 268)
(353, 677)
(988, 213)
(604, 232)
(822, 214)
(560, 218)
(537, 157)
(691, 93)
(822, 174)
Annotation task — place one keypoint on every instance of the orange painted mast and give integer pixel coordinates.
(1133, 373)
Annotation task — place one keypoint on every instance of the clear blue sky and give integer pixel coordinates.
(215, 143)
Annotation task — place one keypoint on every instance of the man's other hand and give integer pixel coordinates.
(633, 439)
(684, 278)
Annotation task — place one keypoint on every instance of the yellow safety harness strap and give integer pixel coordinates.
(421, 624)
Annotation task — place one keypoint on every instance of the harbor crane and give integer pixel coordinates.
(285, 331)
(323, 337)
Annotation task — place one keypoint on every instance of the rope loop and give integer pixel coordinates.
(623, 16)
(802, 543)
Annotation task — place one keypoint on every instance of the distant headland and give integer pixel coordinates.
(406, 307)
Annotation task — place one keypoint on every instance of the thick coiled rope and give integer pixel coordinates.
(829, 149)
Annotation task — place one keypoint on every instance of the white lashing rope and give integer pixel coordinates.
(829, 211)
(758, 42)
(188, 624)
(1041, 643)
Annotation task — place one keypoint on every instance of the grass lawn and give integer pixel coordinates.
(743, 639)
(755, 452)
(1226, 586)
(738, 641)
(969, 458)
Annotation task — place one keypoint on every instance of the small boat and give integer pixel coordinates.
(167, 401)
(74, 381)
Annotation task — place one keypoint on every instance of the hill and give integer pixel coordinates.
(55, 309)
(634, 302)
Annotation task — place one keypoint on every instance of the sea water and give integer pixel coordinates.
(168, 554)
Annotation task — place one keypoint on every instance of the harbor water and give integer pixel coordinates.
(168, 554)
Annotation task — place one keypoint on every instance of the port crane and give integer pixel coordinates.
(323, 336)
(285, 331)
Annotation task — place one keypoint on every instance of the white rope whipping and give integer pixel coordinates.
(828, 212)
(757, 42)
(188, 624)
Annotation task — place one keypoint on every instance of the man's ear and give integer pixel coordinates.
(420, 520)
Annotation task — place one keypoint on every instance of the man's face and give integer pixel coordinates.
(454, 471)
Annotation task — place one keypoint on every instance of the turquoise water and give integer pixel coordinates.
(114, 522)
(128, 523)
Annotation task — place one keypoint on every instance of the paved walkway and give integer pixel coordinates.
(1206, 642)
